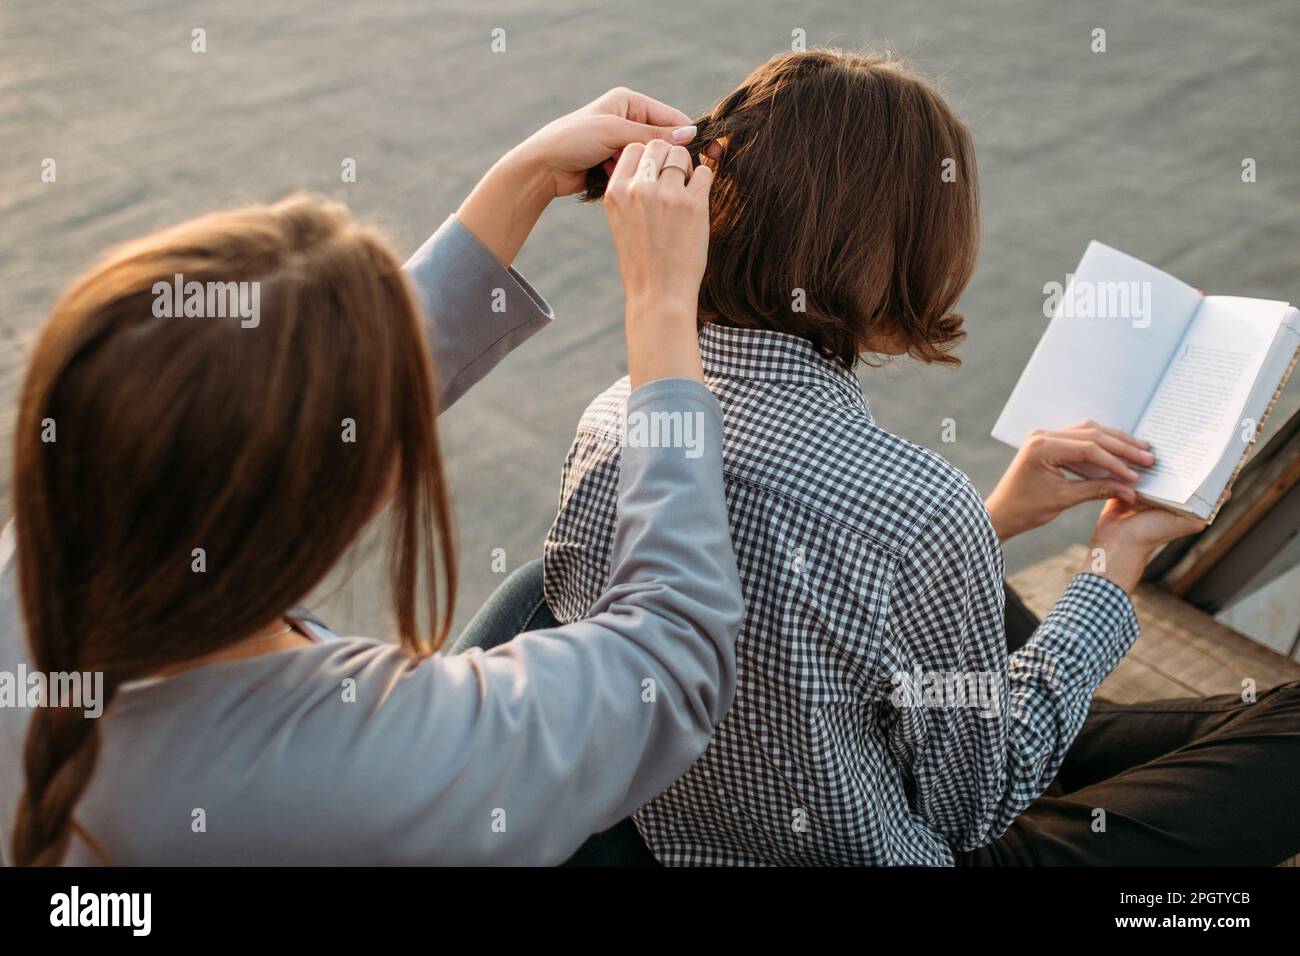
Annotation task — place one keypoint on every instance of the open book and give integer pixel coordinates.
(1133, 347)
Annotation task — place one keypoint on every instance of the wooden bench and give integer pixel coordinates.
(1182, 651)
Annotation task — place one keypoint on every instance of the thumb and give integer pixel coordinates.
(1098, 489)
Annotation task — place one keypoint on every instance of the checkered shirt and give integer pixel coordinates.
(871, 572)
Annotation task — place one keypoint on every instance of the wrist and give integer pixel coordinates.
(1118, 561)
(661, 343)
(506, 204)
(663, 305)
(1000, 526)
(1005, 525)
(529, 174)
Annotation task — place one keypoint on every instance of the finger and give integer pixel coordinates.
(652, 161)
(1114, 432)
(1115, 444)
(624, 131)
(1065, 451)
(625, 168)
(678, 159)
(701, 180)
(1112, 463)
(647, 109)
(1098, 489)
(1171, 524)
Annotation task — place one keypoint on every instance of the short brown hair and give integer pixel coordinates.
(832, 181)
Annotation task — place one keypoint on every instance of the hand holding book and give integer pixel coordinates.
(1132, 346)
(1127, 535)
(1038, 486)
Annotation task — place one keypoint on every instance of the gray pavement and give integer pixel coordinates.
(1140, 147)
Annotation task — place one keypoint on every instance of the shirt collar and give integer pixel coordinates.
(768, 355)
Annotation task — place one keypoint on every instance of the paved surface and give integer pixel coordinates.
(1140, 147)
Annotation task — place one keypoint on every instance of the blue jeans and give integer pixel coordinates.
(519, 605)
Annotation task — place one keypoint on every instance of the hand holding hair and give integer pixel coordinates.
(658, 211)
(507, 202)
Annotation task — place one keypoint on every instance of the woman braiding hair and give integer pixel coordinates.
(183, 481)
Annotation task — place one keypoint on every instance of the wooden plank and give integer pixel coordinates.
(1135, 680)
(1217, 540)
(1182, 652)
(1264, 482)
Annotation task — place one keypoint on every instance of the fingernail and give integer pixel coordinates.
(683, 134)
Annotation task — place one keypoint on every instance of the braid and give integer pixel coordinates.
(62, 748)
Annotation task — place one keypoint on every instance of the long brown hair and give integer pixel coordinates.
(180, 482)
(844, 207)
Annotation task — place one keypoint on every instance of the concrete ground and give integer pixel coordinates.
(1140, 146)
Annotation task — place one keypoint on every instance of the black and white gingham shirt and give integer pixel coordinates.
(863, 557)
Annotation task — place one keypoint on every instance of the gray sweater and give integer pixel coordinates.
(349, 752)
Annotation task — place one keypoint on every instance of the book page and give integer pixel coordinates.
(1114, 329)
(1196, 409)
(1272, 376)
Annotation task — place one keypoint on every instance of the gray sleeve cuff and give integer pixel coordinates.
(475, 310)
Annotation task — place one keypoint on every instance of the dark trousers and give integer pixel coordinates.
(1197, 782)
(1210, 781)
